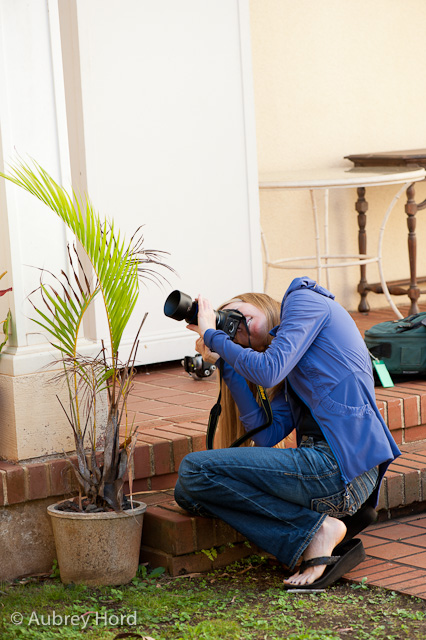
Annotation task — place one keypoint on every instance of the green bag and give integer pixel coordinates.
(401, 344)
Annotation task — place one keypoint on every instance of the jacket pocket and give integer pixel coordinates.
(339, 409)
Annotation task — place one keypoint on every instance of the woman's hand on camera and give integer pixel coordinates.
(206, 354)
(206, 317)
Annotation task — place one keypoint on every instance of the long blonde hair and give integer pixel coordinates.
(230, 426)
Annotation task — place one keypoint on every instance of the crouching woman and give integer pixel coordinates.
(306, 503)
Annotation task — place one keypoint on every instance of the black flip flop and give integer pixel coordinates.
(345, 557)
(362, 519)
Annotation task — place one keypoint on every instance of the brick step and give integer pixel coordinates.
(186, 544)
(156, 463)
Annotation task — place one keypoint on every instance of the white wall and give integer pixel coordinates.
(32, 124)
(166, 110)
(152, 113)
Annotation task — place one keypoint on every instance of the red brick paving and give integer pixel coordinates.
(165, 395)
(396, 556)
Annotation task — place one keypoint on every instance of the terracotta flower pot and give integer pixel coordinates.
(98, 548)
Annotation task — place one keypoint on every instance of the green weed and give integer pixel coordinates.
(245, 601)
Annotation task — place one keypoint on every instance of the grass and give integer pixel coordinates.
(244, 601)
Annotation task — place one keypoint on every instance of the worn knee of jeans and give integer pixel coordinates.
(187, 472)
(182, 498)
(191, 476)
(186, 501)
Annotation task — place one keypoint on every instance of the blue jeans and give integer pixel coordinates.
(277, 498)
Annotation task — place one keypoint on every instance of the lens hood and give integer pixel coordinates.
(180, 306)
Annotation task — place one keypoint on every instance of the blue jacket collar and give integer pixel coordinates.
(307, 283)
(303, 283)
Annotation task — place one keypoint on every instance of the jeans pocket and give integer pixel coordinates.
(338, 505)
(362, 487)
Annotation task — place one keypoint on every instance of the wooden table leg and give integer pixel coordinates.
(411, 210)
(362, 206)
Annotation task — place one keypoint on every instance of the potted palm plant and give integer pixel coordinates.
(101, 515)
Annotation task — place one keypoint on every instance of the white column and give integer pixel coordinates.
(32, 124)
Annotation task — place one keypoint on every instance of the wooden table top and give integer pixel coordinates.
(411, 157)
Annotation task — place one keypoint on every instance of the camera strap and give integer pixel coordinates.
(217, 408)
(266, 405)
(215, 412)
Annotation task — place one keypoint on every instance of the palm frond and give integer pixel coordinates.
(117, 265)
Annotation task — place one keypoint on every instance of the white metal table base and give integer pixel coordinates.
(320, 261)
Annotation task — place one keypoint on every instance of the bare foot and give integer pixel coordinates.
(331, 532)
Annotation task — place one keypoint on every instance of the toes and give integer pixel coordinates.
(292, 578)
(307, 577)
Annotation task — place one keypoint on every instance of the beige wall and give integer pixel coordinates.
(334, 78)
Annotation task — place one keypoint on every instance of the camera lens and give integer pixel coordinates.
(180, 306)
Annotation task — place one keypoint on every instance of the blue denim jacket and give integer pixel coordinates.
(319, 349)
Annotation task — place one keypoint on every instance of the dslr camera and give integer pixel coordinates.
(180, 306)
(197, 367)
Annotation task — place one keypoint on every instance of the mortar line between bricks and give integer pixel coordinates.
(392, 586)
(385, 411)
(417, 406)
(385, 572)
(415, 590)
(377, 540)
(404, 461)
(404, 492)
(194, 532)
(404, 582)
(385, 486)
(400, 561)
(418, 454)
(412, 523)
(419, 484)
(407, 587)
(171, 456)
(4, 483)
(151, 458)
(376, 569)
(26, 483)
(48, 479)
